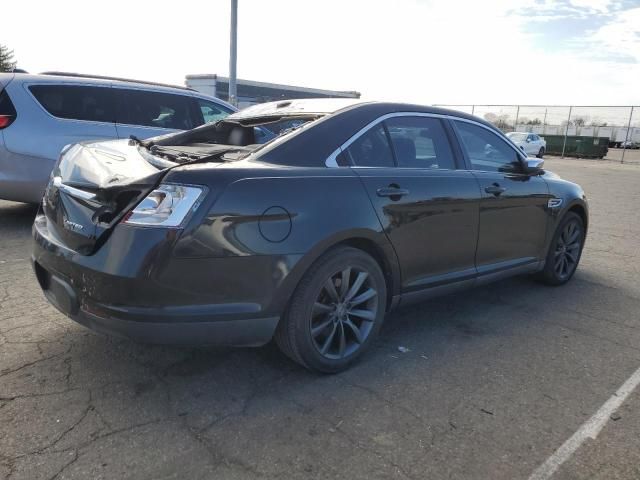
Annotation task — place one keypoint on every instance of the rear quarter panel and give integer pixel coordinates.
(294, 214)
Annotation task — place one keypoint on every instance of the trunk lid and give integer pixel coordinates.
(92, 187)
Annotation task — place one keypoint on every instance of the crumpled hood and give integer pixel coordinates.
(99, 165)
(92, 186)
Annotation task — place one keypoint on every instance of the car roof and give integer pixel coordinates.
(329, 106)
(310, 147)
(79, 78)
(308, 106)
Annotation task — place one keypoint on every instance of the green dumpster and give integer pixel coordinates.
(580, 147)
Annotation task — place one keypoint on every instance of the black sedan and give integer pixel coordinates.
(304, 220)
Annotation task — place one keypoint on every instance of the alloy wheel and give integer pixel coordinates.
(567, 252)
(344, 312)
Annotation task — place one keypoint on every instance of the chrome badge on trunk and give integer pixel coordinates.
(73, 226)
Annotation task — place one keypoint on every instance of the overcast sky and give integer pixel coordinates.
(484, 51)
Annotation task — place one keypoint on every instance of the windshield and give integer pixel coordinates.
(517, 137)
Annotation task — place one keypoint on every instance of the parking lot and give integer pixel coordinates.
(494, 380)
(630, 155)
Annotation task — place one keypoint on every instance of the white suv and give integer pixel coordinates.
(530, 143)
(40, 114)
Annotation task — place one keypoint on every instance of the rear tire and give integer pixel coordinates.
(335, 312)
(564, 252)
(540, 152)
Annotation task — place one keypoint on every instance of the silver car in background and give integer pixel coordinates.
(530, 143)
(40, 114)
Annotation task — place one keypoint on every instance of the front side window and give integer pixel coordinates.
(156, 109)
(76, 102)
(420, 142)
(371, 149)
(211, 112)
(486, 150)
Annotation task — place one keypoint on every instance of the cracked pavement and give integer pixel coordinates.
(495, 380)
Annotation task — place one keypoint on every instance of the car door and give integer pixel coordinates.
(58, 114)
(427, 207)
(514, 213)
(49, 116)
(149, 113)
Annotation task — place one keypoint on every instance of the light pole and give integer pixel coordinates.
(626, 136)
(233, 54)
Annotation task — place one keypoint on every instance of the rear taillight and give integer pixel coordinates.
(169, 205)
(7, 110)
(6, 120)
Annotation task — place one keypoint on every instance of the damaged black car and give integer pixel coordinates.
(306, 221)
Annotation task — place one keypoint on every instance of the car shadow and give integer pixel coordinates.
(204, 387)
(16, 216)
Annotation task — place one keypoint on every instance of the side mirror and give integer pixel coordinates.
(533, 166)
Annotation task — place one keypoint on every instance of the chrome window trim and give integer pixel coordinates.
(332, 162)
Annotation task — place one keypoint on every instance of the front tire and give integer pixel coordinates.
(540, 152)
(335, 312)
(565, 251)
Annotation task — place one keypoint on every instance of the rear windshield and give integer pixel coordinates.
(228, 140)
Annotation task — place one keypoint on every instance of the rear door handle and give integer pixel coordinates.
(495, 189)
(392, 192)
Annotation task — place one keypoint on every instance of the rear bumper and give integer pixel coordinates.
(118, 302)
(176, 329)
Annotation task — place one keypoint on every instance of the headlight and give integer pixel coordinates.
(167, 206)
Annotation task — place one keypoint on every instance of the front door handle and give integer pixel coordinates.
(495, 189)
(392, 192)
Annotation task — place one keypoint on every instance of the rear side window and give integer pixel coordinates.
(371, 149)
(155, 109)
(76, 102)
(486, 150)
(420, 142)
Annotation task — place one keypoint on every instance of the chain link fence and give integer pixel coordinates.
(608, 132)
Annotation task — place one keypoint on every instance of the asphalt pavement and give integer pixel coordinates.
(489, 385)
